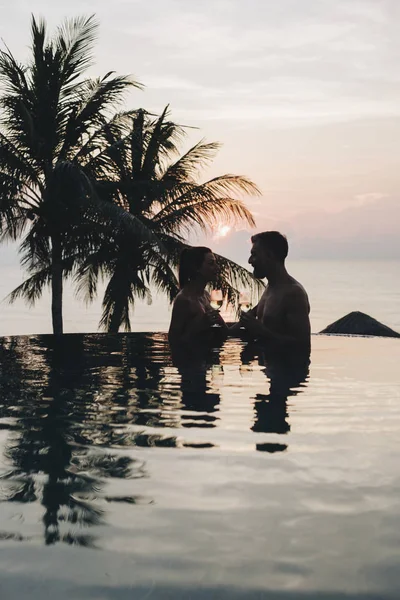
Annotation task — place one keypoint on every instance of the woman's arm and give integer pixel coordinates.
(185, 325)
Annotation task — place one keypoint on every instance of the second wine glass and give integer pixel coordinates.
(216, 299)
(244, 302)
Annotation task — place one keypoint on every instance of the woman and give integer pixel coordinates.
(192, 321)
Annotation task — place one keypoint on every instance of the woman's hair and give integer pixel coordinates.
(190, 262)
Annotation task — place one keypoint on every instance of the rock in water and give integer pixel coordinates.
(358, 323)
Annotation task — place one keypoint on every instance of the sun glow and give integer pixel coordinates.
(222, 231)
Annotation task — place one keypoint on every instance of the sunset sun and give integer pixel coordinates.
(221, 231)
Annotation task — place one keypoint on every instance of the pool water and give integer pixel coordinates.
(122, 477)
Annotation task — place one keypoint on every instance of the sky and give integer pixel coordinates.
(304, 95)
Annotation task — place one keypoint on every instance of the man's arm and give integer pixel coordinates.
(297, 317)
(234, 330)
(297, 322)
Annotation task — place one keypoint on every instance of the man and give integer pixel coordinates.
(281, 318)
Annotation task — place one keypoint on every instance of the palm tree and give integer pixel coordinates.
(52, 130)
(160, 189)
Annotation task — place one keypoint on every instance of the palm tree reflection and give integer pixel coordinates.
(69, 400)
(52, 456)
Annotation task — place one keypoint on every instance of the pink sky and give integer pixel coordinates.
(304, 96)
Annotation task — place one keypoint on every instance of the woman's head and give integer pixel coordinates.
(197, 262)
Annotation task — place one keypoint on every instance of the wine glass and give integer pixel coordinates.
(244, 302)
(216, 299)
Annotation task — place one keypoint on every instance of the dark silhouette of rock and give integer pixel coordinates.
(358, 323)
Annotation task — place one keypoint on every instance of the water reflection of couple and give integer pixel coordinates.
(286, 376)
(280, 321)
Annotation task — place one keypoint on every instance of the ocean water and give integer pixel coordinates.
(122, 477)
(335, 288)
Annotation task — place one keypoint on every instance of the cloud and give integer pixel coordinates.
(309, 62)
(277, 64)
(369, 198)
(162, 82)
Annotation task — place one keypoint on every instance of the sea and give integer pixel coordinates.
(335, 288)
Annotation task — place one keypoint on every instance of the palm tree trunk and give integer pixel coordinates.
(56, 284)
(116, 318)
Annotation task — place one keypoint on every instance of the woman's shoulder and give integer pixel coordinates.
(182, 299)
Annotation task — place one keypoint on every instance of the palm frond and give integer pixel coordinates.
(206, 214)
(11, 219)
(186, 168)
(119, 296)
(97, 98)
(32, 288)
(88, 273)
(35, 247)
(75, 39)
(162, 277)
(162, 142)
(13, 75)
(121, 221)
(15, 161)
(35, 251)
(186, 195)
(95, 152)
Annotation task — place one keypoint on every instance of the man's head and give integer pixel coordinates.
(269, 250)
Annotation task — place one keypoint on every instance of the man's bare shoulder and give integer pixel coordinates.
(296, 292)
(296, 287)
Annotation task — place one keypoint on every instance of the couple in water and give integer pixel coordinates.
(280, 321)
